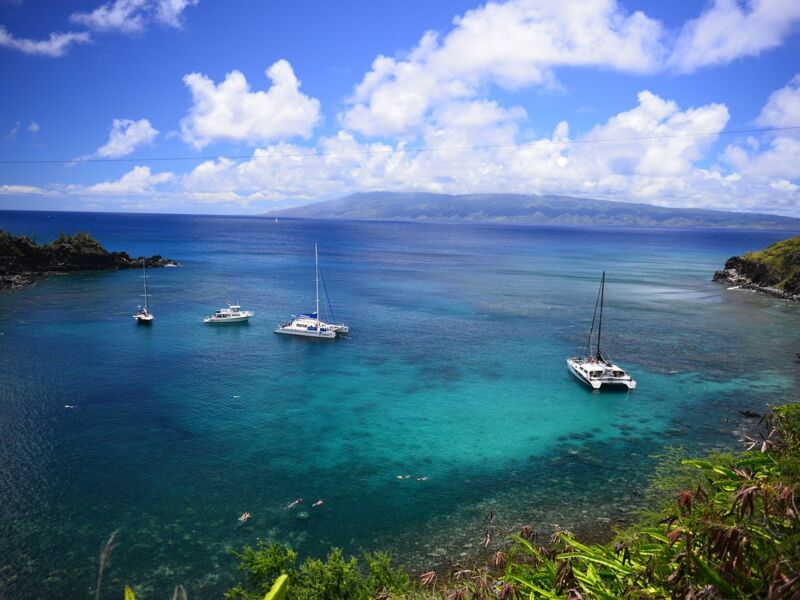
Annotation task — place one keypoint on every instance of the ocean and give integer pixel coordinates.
(453, 374)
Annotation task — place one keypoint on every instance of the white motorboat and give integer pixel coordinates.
(596, 370)
(143, 316)
(310, 324)
(232, 314)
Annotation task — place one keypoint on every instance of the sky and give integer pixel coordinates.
(244, 106)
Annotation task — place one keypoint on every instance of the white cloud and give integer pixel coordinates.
(33, 127)
(511, 45)
(471, 148)
(133, 16)
(12, 135)
(24, 190)
(732, 29)
(126, 135)
(783, 106)
(779, 159)
(56, 45)
(126, 16)
(170, 12)
(230, 111)
(137, 181)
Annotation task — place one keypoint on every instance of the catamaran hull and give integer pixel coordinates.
(597, 384)
(322, 335)
(144, 320)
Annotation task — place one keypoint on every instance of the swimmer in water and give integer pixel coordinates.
(244, 518)
(294, 503)
(317, 503)
(404, 476)
(422, 478)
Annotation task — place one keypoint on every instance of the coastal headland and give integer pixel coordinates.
(774, 271)
(23, 260)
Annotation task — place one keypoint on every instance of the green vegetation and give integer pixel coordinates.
(335, 578)
(728, 526)
(781, 262)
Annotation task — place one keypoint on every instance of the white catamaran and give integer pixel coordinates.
(143, 315)
(310, 324)
(596, 370)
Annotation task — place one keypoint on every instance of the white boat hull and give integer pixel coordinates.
(600, 382)
(323, 335)
(144, 319)
(238, 319)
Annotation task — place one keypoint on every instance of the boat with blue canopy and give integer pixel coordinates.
(310, 324)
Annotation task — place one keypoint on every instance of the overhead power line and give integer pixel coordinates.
(543, 142)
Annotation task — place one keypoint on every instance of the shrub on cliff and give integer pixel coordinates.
(335, 578)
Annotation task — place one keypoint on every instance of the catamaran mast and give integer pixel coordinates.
(316, 281)
(146, 301)
(600, 324)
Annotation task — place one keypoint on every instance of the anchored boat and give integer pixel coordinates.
(596, 370)
(143, 316)
(310, 324)
(232, 314)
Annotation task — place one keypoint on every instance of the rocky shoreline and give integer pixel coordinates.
(774, 271)
(23, 261)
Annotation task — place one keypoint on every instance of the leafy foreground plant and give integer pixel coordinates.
(733, 533)
(729, 528)
(332, 579)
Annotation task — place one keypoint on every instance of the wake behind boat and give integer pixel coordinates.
(596, 370)
(232, 314)
(143, 316)
(310, 324)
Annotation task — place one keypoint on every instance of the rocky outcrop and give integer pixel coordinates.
(774, 270)
(22, 260)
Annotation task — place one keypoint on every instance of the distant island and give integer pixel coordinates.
(774, 270)
(525, 209)
(22, 260)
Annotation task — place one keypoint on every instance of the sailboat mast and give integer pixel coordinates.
(316, 281)
(146, 299)
(600, 324)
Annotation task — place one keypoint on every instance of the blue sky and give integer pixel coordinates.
(278, 104)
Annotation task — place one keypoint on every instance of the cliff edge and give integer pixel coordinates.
(774, 270)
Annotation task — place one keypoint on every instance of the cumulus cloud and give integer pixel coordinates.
(33, 127)
(783, 106)
(56, 45)
(648, 153)
(170, 12)
(231, 111)
(511, 45)
(732, 29)
(121, 15)
(133, 16)
(126, 135)
(472, 149)
(137, 181)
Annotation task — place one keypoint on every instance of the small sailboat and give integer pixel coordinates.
(143, 316)
(596, 370)
(232, 314)
(310, 324)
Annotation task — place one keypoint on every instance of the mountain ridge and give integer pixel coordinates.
(525, 210)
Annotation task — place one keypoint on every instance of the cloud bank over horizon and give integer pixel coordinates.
(444, 116)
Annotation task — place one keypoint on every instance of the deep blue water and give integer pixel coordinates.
(454, 371)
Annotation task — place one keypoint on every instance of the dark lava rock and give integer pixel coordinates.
(22, 260)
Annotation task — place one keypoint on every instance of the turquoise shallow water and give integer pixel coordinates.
(454, 371)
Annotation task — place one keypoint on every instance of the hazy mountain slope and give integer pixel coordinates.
(518, 208)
